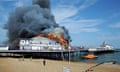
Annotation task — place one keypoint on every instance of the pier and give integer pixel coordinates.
(55, 54)
(51, 54)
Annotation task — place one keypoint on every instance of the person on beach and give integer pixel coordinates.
(44, 62)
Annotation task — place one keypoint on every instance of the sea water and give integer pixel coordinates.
(106, 57)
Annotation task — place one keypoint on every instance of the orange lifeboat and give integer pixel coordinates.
(90, 56)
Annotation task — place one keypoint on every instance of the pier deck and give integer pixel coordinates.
(40, 51)
(51, 54)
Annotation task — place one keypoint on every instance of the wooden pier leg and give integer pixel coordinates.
(62, 56)
(69, 56)
(31, 58)
(22, 58)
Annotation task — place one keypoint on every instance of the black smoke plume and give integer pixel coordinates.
(27, 22)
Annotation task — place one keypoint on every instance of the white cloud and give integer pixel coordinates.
(3, 17)
(112, 37)
(93, 29)
(82, 25)
(117, 25)
(3, 34)
(65, 10)
(19, 3)
(87, 3)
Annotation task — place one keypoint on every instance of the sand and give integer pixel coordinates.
(36, 65)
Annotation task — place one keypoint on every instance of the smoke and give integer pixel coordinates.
(42, 3)
(27, 22)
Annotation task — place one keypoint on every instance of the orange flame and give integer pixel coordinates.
(60, 38)
(51, 36)
(41, 35)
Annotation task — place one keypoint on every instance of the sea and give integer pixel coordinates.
(103, 57)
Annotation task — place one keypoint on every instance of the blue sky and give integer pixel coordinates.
(90, 22)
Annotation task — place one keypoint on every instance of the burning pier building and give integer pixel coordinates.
(35, 20)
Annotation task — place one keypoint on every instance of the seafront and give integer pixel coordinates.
(41, 65)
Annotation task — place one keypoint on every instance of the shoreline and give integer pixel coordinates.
(37, 65)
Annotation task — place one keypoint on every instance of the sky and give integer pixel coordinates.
(90, 22)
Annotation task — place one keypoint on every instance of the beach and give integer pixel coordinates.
(41, 65)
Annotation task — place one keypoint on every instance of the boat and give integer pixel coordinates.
(104, 48)
(90, 56)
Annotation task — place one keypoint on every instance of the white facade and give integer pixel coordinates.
(4, 48)
(92, 49)
(108, 47)
(39, 43)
